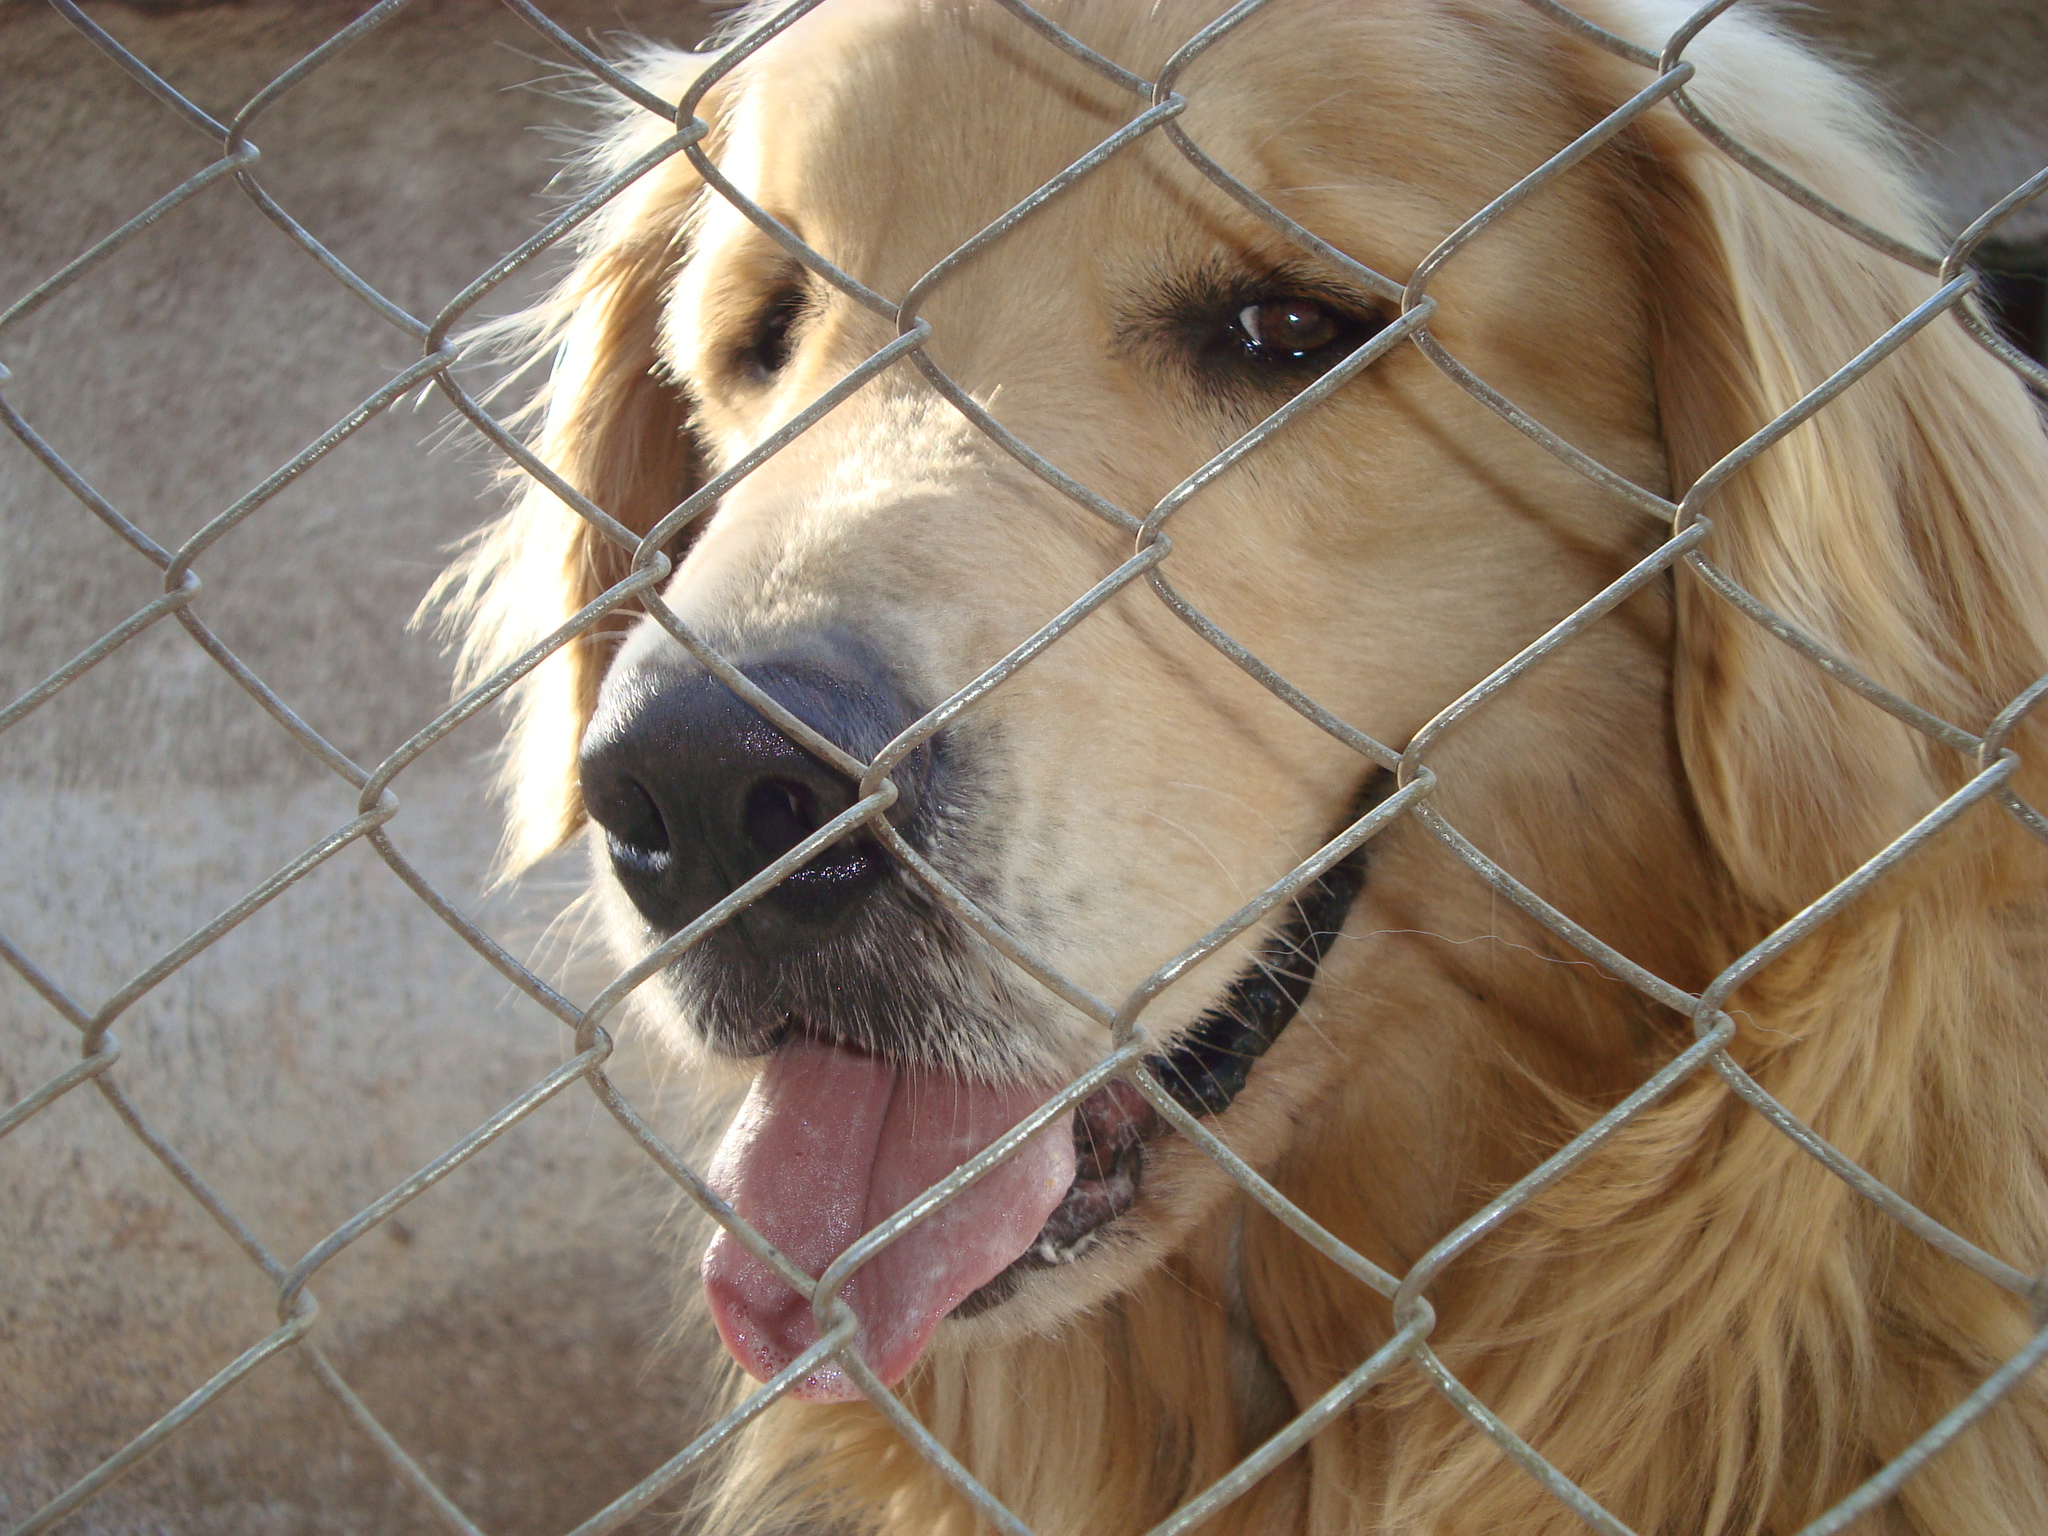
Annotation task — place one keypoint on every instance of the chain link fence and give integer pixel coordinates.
(1156, 107)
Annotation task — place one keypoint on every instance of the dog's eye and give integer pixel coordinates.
(1289, 330)
(768, 350)
(1244, 336)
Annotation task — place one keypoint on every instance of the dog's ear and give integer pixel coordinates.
(1905, 525)
(615, 428)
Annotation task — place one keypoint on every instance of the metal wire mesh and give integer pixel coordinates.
(1156, 107)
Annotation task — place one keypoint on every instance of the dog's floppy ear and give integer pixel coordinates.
(1905, 525)
(617, 430)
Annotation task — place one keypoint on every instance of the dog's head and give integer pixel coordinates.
(1138, 779)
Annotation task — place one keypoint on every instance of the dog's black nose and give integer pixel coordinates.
(697, 793)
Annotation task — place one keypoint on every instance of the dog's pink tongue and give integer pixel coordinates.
(828, 1145)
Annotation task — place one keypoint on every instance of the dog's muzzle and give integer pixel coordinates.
(885, 1026)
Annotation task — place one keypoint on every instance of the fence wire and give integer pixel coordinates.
(1156, 106)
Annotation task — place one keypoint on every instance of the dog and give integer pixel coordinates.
(1699, 1324)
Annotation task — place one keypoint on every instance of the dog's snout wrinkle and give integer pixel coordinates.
(697, 793)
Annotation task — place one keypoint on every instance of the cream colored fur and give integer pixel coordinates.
(1706, 1330)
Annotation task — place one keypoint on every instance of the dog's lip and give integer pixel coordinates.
(1203, 1071)
(1111, 1127)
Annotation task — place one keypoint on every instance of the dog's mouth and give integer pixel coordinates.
(1204, 1072)
(832, 1141)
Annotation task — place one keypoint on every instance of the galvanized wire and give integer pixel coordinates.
(1157, 106)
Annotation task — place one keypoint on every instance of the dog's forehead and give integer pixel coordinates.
(888, 131)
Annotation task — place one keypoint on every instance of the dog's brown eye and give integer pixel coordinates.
(1288, 328)
(1286, 334)
(1240, 336)
(768, 350)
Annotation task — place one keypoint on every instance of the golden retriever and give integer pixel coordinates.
(1698, 1323)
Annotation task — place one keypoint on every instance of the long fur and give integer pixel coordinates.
(1704, 1328)
(611, 426)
